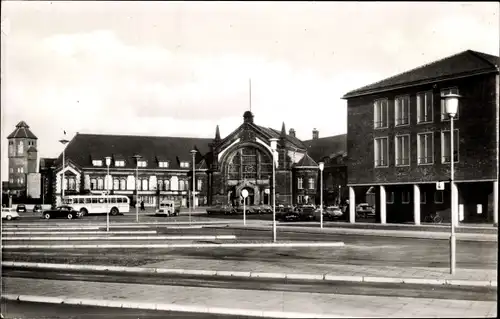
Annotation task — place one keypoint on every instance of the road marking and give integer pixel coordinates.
(166, 307)
(107, 246)
(81, 232)
(105, 237)
(50, 228)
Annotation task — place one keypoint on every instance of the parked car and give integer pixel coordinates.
(9, 213)
(248, 209)
(306, 212)
(265, 209)
(365, 210)
(289, 215)
(221, 209)
(62, 212)
(37, 208)
(21, 208)
(168, 208)
(333, 212)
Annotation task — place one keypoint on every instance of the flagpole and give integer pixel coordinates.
(250, 92)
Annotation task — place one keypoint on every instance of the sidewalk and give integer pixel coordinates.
(255, 300)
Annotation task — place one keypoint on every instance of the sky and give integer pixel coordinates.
(181, 68)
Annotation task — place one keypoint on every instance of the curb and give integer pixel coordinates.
(90, 232)
(165, 307)
(104, 236)
(262, 275)
(379, 233)
(263, 245)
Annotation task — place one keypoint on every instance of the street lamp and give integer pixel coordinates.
(193, 152)
(137, 157)
(321, 167)
(273, 142)
(451, 108)
(63, 142)
(108, 162)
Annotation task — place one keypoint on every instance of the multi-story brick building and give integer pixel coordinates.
(398, 141)
(24, 179)
(223, 166)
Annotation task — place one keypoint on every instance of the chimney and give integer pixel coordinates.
(291, 132)
(315, 134)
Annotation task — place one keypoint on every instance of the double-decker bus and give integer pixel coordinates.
(99, 204)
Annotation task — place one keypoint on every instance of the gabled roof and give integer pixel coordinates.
(330, 146)
(466, 63)
(85, 147)
(306, 161)
(22, 131)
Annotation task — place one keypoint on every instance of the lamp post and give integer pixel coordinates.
(321, 167)
(63, 142)
(451, 107)
(273, 142)
(137, 157)
(193, 153)
(108, 162)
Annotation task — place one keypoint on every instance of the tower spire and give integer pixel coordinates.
(217, 133)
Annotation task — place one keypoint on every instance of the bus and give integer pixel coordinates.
(99, 204)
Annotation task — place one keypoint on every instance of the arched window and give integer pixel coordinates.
(249, 163)
(20, 148)
(123, 184)
(144, 184)
(186, 184)
(93, 184)
(116, 183)
(181, 185)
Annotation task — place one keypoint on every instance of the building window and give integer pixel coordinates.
(389, 198)
(438, 197)
(123, 184)
(311, 183)
(20, 180)
(425, 107)
(20, 149)
(181, 185)
(184, 164)
(145, 184)
(186, 184)
(199, 184)
(20, 169)
(425, 148)
(138, 184)
(120, 163)
(381, 152)
(381, 113)
(445, 146)
(97, 162)
(116, 183)
(70, 183)
(423, 198)
(444, 115)
(100, 183)
(405, 199)
(93, 184)
(141, 163)
(11, 143)
(300, 183)
(163, 164)
(402, 110)
(403, 150)
(11, 181)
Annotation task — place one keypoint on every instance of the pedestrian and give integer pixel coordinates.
(142, 205)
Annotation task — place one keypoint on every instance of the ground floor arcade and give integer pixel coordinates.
(474, 202)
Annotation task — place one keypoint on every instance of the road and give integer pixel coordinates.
(344, 288)
(30, 310)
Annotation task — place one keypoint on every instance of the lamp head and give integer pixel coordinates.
(193, 152)
(273, 142)
(108, 160)
(451, 104)
(321, 166)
